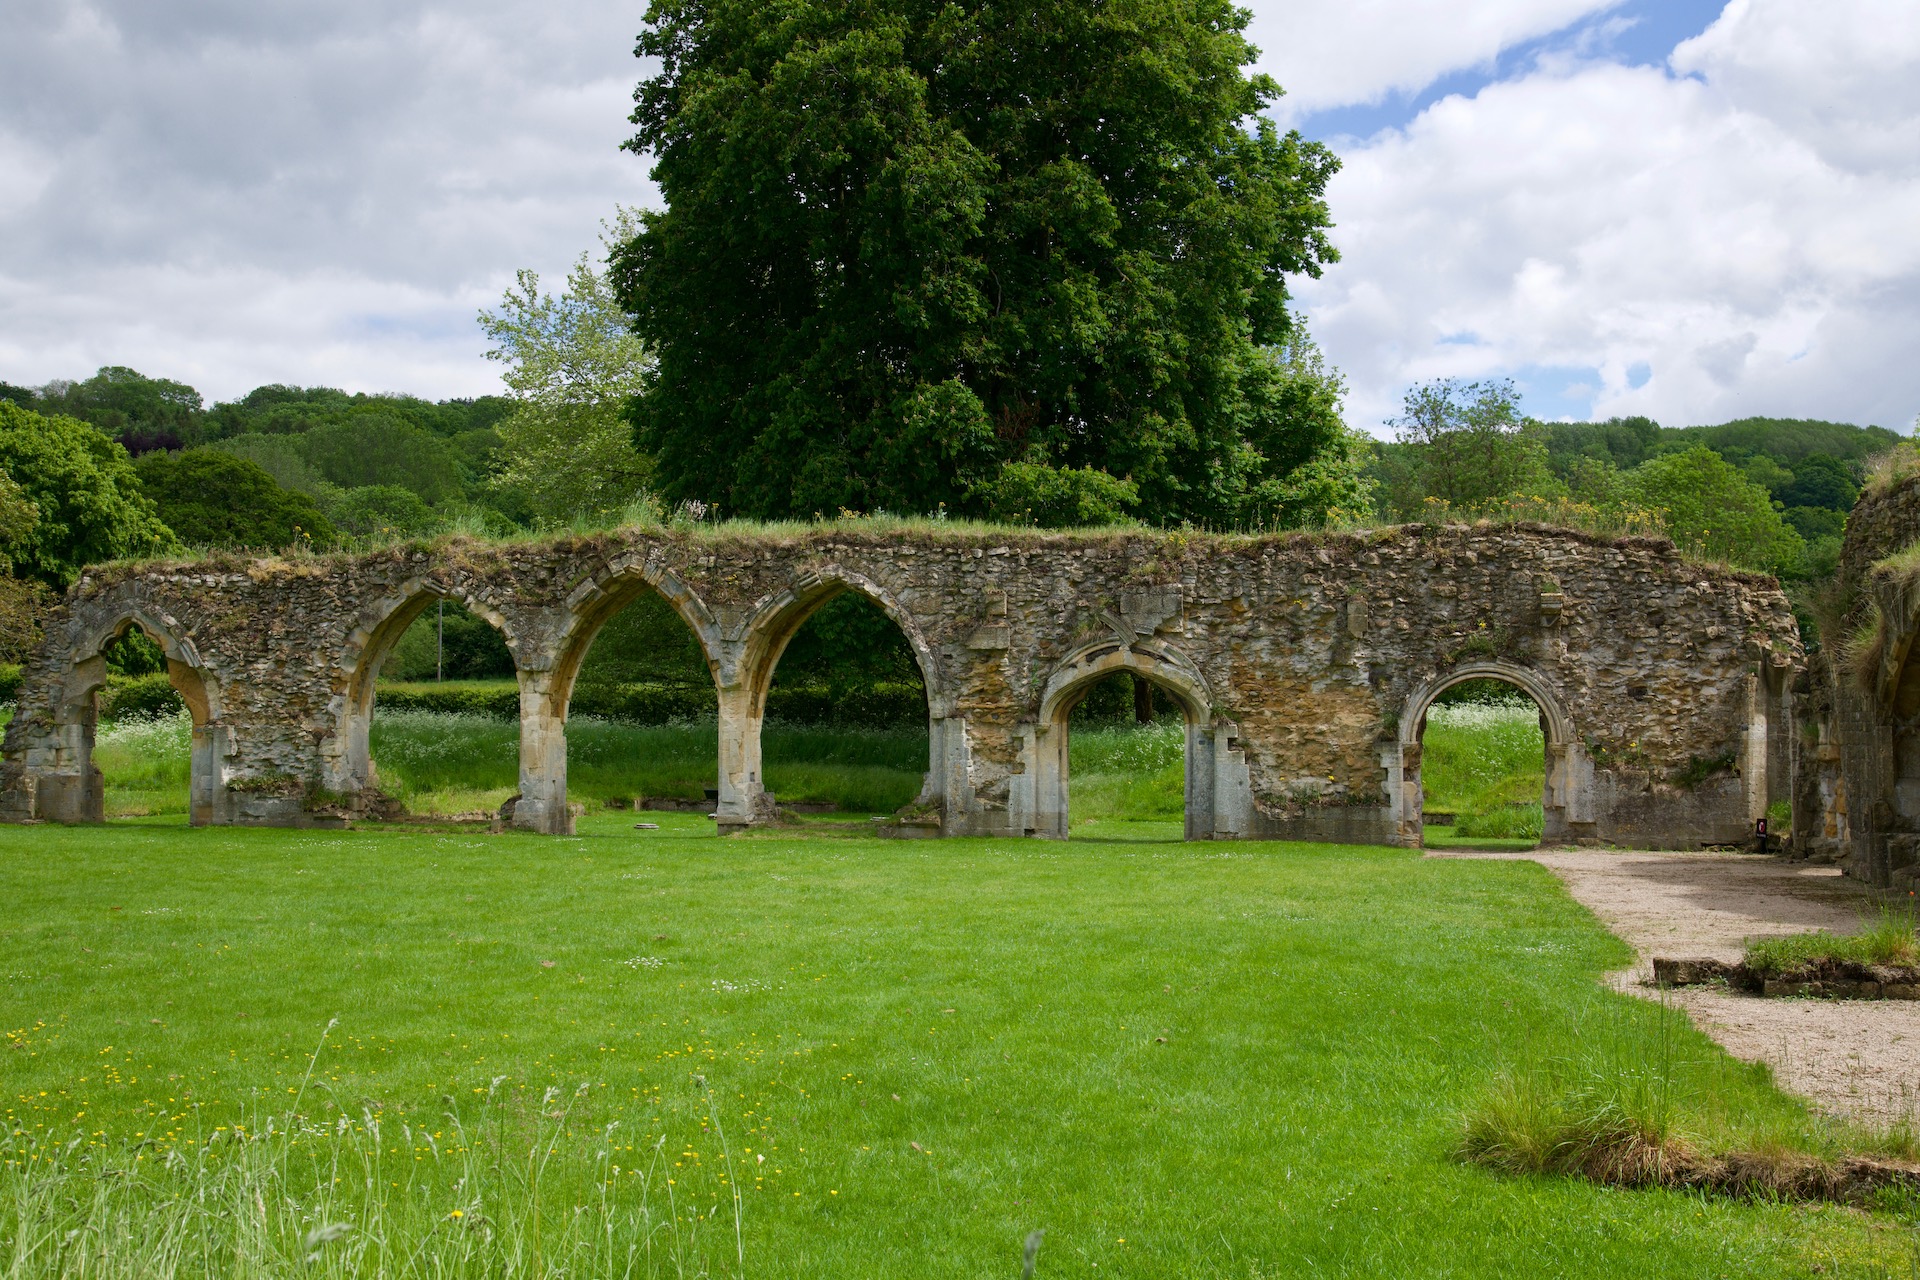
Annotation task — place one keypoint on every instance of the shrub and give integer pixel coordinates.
(148, 697)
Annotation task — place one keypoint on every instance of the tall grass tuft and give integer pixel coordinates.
(517, 1188)
(1888, 939)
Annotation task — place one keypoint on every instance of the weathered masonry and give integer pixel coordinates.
(1304, 665)
(1857, 770)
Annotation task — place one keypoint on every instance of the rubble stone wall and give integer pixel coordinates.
(1304, 664)
(1856, 764)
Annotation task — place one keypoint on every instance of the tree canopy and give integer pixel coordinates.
(1708, 505)
(214, 499)
(142, 413)
(908, 245)
(572, 365)
(87, 499)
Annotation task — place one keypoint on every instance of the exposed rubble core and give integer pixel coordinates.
(1304, 665)
(1856, 794)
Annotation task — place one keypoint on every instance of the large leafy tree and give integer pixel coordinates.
(572, 365)
(214, 499)
(1470, 446)
(87, 500)
(909, 243)
(142, 413)
(1709, 506)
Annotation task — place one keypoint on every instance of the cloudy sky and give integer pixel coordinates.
(1683, 208)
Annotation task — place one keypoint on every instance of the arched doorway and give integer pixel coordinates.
(650, 613)
(819, 623)
(1041, 805)
(75, 791)
(1565, 775)
(424, 634)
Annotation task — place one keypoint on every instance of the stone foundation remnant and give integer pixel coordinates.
(1304, 666)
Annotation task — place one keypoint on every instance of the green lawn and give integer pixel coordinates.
(1243, 1060)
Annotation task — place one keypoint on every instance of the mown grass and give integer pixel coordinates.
(1179, 1060)
(1486, 763)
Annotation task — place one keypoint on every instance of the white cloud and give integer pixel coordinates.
(1745, 231)
(1330, 53)
(372, 170)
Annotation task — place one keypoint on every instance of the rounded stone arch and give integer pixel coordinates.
(76, 791)
(1040, 804)
(1555, 723)
(775, 619)
(1567, 793)
(1160, 663)
(346, 757)
(595, 602)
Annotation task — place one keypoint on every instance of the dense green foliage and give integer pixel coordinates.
(1177, 1063)
(1761, 493)
(907, 245)
(142, 413)
(1709, 506)
(214, 499)
(572, 365)
(87, 499)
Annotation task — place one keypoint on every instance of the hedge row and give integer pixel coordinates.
(883, 706)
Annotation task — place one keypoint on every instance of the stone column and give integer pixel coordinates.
(743, 795)
(1232, 784)
(542, 805)
(1199, 780)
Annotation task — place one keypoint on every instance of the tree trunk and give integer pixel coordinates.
(1142, 701)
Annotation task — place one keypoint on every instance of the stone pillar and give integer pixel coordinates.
(542, 805)
(1200, 766)
(71, 789)
(1232, 784)
(1047, 816)
(1754, 754)
(1403, 783)
(744, 801)
(206, 787)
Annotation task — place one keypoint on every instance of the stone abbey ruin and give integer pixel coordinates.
(1304, 666)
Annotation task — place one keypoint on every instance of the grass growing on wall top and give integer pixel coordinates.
(1178, 1060)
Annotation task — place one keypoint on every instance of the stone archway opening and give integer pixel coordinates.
(164, 762)
(841, 708)
(1487, 753)
(440, 735)
(1125, 770)
(1483, 765)
(1042, 803)
(428, 724)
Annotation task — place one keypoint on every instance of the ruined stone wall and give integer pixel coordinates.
(1856, 789)
(1305, 665)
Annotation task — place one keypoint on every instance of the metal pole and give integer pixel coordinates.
(439, 641)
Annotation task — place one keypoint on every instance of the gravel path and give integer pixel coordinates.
(1858, 1058)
